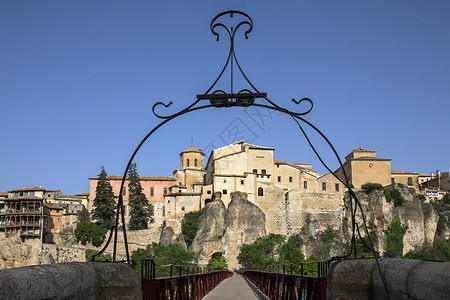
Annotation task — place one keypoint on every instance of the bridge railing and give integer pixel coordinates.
(292, 281)
(182, 282)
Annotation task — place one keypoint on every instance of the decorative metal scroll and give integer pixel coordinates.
(244, 98)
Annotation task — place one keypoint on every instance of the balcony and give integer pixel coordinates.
(31, 211)
(30, 233)
(30, 223)
(12, 223)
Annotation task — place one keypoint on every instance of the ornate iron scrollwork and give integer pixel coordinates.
(250, 96)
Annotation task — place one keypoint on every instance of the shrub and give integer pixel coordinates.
(190, 226)
(164, 256)
(361, 249)
(395, 196)
(393, 241)
(102, 257)
(439, 250)
(441, 207)
(421, 197)
(370, 186)
(400, 185)
(328, 236)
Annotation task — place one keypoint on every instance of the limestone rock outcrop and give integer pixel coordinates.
(208, 239)
(225, 230)
(15, 253)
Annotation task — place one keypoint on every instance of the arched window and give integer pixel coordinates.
(410, 181)
(195, 162)
(260, 191)
(187, 162)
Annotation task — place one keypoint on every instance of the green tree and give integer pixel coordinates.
(394, 239)
(190, 226)
(140, 209)
(262, 252)
(217, 261)
(104, 204)
(164, 256)
(90, 233)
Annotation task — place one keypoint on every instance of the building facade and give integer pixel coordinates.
(153, 187)
(23, 212)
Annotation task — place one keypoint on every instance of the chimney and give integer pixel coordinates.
(438, 178)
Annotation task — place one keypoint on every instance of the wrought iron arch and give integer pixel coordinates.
(244, 98)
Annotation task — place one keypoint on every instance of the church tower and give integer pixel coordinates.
(191, 172)
(191, 158)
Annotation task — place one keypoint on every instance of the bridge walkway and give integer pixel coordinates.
(236, 288)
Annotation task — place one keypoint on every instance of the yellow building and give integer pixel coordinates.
(362, 166)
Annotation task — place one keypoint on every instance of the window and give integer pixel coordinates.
(305, 184)
(392, 180)
(165, 190)
(242, 181)
(25, 193)
(224, 181)
(255, 171)
(168, 201)
(208, 192)
(336, 186)
(263, 172)
(152, 191)
(32, 193)
(260, 191)
(195, 162)
(182, 208)
(290, 178)
(224, 192)
(16, 194)
(187, 162)
(324, 186)
(410, 181)
(279, 178)
(124, 191)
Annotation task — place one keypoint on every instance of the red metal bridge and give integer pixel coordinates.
(271, 282)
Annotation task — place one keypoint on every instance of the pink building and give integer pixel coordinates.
(154, 188)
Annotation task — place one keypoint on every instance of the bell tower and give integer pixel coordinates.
(191, 171)
(191, 158)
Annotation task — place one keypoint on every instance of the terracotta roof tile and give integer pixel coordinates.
(22, 189)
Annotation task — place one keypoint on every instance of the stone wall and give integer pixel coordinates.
(136, 239)
(405, 279)
(71, 281)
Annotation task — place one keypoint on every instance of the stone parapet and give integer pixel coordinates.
(405, 279)
(71, 281)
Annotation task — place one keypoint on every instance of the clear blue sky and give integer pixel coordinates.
(78, 80)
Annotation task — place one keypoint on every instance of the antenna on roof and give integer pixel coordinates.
(192, 142)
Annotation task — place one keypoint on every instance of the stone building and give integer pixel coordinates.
(153, 187)
(252, 169)
(362, 166)
(23, 212)
(186, 195)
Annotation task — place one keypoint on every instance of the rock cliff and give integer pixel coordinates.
(226, 229)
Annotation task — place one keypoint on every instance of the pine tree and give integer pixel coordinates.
(140, 209)
(104, 204)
